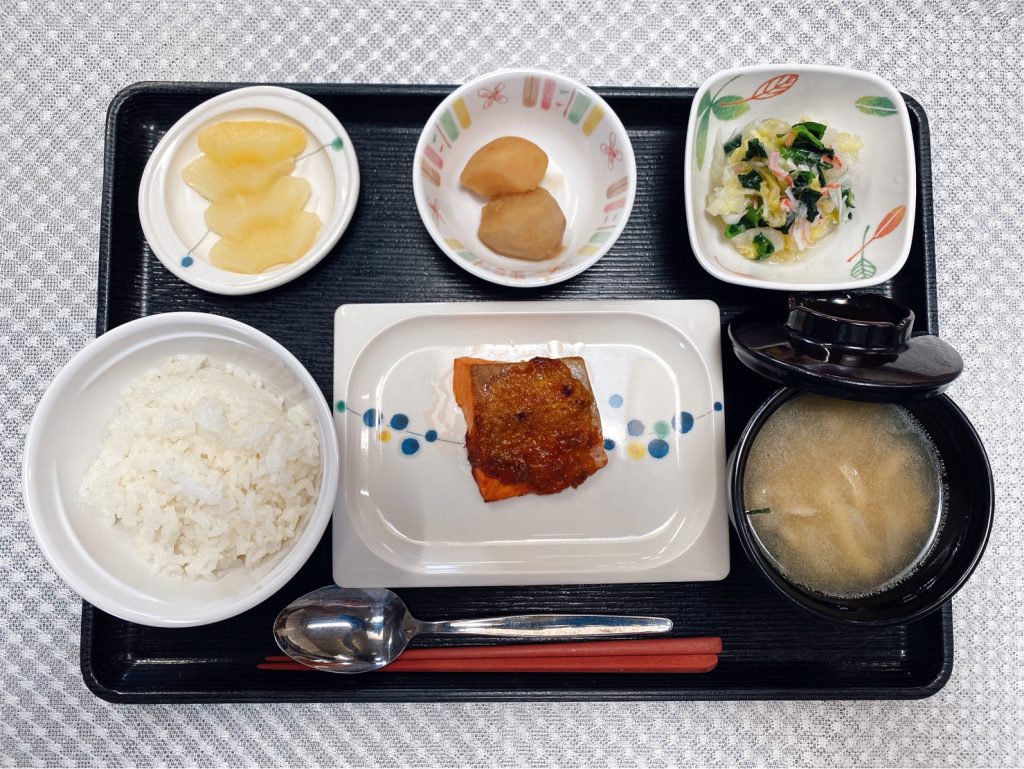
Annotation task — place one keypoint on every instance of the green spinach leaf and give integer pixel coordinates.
(751, 180)
(755, 150)
(751, 218)
(807, 136)
(800, 156)
(848, 202)
(817, 130)
(802, 179)
(809, 198)
(763, 248)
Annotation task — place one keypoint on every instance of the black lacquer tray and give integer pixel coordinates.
(772, 650)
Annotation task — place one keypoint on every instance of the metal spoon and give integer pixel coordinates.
(345, 630)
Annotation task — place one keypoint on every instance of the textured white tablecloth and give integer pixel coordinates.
(60, 64)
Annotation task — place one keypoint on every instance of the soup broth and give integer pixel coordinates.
(844, 497)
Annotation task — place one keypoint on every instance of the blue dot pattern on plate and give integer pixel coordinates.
(657, 448)
(683, 422)
(186, 260)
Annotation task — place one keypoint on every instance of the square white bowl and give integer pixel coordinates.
(867, 250)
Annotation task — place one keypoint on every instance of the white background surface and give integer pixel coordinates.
(60, 64)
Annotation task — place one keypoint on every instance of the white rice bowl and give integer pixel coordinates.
(206, 466)
(130, 569)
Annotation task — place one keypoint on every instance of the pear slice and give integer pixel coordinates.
(269, 246)
(232, 142)
(235, 216)
(214, 181)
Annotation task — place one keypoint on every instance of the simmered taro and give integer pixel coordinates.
(505, 166)
(529, 225)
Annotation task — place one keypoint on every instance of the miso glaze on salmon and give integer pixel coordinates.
(532, 427)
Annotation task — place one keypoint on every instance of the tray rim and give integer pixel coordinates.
(426, 693)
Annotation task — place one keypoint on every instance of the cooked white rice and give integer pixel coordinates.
(206, 467)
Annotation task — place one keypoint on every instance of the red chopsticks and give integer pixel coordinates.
(644, 663)
(648, 655)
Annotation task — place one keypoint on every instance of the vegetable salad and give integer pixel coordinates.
(783, 188)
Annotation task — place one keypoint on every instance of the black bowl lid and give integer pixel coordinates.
(852, 346)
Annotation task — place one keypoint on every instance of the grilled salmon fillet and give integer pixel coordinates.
(531, 427)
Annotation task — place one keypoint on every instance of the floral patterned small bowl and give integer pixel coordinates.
(591, 170)
(867, 250)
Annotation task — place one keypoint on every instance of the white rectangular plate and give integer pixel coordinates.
(408, 510)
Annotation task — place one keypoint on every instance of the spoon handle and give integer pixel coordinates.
(550, 626)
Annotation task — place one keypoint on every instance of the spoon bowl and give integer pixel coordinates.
(345, 630)
(348, 630)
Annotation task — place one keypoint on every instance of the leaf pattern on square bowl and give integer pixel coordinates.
(882, 106)
(863, 268)
(729, 107)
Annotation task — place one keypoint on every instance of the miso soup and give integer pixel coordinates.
(845, 497)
